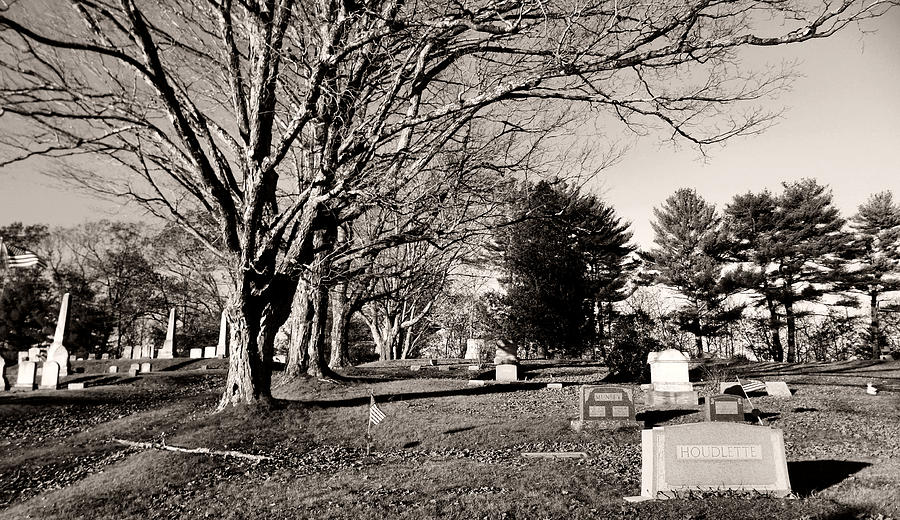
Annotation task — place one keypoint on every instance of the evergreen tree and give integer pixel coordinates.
(690, 245)
(791, 240)
(874, 258)
(564, 255)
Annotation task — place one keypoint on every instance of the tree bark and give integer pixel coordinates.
(316, 345)
(775, 330)
(874, 325)
(791, 321)
(300, 319)
(340, 317)
(698, 337)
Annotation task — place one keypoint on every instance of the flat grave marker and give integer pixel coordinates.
(507, 372)
(724, 407)
(712, 456)
(476, 382)
(75, 386)
(778, 389)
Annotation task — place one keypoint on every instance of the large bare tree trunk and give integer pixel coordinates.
(301, 316)
(775, 330)
(340, 317)
(874, 325)
(316, 345)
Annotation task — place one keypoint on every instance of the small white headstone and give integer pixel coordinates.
(209, 352)
(507, 372)
(23, 356)
(476, 382)
(76, 386)
(127, 352)
(871, 390)
(196, 353)
(135, 367)
(669, 371)
(50, 376)
(474, 368)
(104, 356)
(34, 354)
(555, 386)
(25, 377)
(113, 369)
(778, 389)
(145, 367)
(92, 356)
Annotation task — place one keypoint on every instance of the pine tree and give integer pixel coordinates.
(873, 258)
(689, 247)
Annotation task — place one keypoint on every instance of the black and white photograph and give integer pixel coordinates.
(450, 259)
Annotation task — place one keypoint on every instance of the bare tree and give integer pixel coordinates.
(280, 119)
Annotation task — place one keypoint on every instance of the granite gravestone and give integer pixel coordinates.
(778, 389)
(4, 385)
(605, 403)
(723, 407)
(670, 385)
(168, 348)
(712, 456)
(145, 367)
(25, 376)
(50, 376)
(57, 351)
(222, 346)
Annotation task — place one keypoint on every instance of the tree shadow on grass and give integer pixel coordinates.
(653, 418)
(179, 366)
(409, 396)
(808, 476)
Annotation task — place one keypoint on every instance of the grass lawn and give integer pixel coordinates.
(446, 450)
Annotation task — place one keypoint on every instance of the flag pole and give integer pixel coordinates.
(369, 424)
(752, 407)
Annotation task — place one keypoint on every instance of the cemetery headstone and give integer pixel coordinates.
(145, 367)
(135, 367)
(507, 372)
(23, 356)
(476, 382)
(474, 368)
(724, 407)
(92, 356)
(25, 376)
(147, 350)
(133, 372)
(196, 353)
(778, 389)
(415, 368)
(554, 386)
(474, 347)
(127, 352)
(34, 354)
(57, 351)
(72, 357)
(4, 384)
(50, 376)
(444, 368)
(670, 385)
(75, 386)
(605, 403)
(113, 369)
(712, 456)
(104, 356)
(209, 352)
(222, 346)
(168, 348)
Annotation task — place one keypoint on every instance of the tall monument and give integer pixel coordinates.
(57, 351)
(168, 349)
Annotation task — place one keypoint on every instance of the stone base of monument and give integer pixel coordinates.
(165, 354)
(663, 399)
(23, 388)
(507, 373)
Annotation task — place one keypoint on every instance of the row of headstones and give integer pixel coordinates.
(26, 376)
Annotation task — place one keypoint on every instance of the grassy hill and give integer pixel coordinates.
(446, 450)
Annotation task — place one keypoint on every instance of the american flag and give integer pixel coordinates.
(375, 413)
(14, 256)
(752, 385)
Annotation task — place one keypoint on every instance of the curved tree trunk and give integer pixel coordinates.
(340, 317)
(301, 316)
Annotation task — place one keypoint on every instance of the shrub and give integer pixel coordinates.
(631, 342)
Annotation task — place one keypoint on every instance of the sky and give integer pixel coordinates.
(842, 126)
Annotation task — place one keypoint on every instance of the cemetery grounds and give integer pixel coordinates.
(446, 450)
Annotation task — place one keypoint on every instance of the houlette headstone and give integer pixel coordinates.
(25, 376)
(168, 348)
(50, 376)
(712, 456)
(606, 403)
(670, 385)
(723, 407)
(57, 351)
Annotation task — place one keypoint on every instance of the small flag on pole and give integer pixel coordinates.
(375, 413)
(15, 256)
(752, 385)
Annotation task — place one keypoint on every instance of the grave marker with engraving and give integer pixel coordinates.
(25, 376)
(600, 403)
(712, 456)
(723, 407)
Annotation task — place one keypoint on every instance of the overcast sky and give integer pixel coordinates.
(842, 127)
